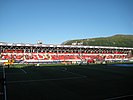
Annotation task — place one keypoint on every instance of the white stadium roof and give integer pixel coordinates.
(59, 45)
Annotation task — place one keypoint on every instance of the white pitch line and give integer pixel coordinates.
(66, 70)
(4, 76)
(73, 73)
(23, 71)
(13, 73)
(120, 97)
(44, 80)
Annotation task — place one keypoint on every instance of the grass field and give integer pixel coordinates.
(91, 82)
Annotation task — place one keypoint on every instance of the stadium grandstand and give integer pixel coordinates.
(49, 53)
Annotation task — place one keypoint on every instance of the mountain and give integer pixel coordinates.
(118, 40)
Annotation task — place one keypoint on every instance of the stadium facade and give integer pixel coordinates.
(42, 53)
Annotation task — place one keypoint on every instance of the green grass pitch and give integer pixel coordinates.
(73, 82)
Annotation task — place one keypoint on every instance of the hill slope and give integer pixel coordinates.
(116, 40)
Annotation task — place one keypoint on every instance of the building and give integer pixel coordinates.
(50, 53)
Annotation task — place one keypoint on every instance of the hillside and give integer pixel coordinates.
(116, 40)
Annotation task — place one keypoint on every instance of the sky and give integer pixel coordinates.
(56, 21)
